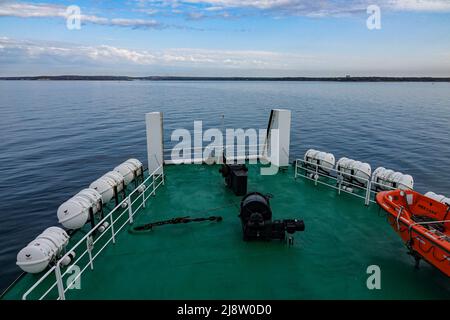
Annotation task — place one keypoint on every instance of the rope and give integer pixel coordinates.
(149, 226)
(420, 246)
(432, 249)
(439, 260)
(185, 219)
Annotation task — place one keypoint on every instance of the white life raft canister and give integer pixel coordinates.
(130, 170)
(438, 197)
(37, 255)
(386, 179)
(360, 171)
(325, 160)
(74, 213)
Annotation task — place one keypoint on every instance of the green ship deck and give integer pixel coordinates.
(209, 260)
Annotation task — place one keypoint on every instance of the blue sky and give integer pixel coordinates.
(226, 38)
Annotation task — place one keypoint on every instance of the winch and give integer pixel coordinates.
(256, 219)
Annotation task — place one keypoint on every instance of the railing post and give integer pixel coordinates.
(154, 188)
(316, 176)
(143, 196)
(113, 233)
(295, 170)
(89, 246)
(130, 210)
(59, 282)
(369, 187)
(340, 179)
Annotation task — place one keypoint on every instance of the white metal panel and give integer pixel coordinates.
(154, 124)
(277, 144)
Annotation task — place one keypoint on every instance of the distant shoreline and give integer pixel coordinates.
(175, 78)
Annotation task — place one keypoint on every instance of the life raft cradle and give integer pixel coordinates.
(409, 244)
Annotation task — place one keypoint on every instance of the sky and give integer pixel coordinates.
(226, 37)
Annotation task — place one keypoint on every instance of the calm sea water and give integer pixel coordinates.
(57, 137)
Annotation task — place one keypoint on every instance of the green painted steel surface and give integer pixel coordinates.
(209, 260)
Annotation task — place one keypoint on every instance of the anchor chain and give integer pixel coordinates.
(187, 219)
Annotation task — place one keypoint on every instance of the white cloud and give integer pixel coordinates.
(135, 23)
(198, 9)
(105, 54)
(25, 10)
(26, 57)
(311, 7)
(28, 10)
(148, 11)
(420, 5)
(348, 5)
(260, 4)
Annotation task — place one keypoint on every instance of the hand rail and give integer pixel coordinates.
(56, 269)
(366, 186)
(213, 147)
(197, 153)
(427, 222)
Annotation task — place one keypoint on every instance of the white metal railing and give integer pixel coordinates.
(147, 188)
(197, 153)
(367, 190)
(215, 147)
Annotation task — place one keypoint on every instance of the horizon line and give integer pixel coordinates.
(348, 78)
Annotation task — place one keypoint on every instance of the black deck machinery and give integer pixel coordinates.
(255, 212)
(257, 224)
(235, 177)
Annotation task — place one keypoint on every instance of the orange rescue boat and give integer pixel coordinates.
(422, 223)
